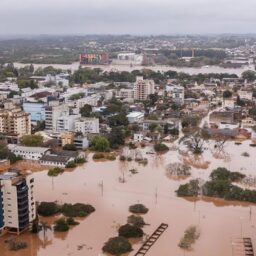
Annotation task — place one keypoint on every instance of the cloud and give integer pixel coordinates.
(133, 16)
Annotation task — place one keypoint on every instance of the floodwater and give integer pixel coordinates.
(192, 71)
(220, 222)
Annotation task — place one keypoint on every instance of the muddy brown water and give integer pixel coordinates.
(220, 222)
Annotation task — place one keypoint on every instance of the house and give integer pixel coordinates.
(138, 137)
(135, 117)
(28, 153)
(58, 158)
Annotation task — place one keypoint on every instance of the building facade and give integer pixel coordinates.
(87, 125)
(36, 110)
(17, 202)
(143, 88)
(15, 122)
(53, 112)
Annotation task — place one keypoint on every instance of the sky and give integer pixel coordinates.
(127, 16)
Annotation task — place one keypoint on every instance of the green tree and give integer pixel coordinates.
(116, 137)
(86, 110)
(100, 144)
(32, 140)
(249, 75)
(227, 94)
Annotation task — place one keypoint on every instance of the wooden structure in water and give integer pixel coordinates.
(151, 240)
(243, 247)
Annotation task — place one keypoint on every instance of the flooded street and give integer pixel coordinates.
(219, 221)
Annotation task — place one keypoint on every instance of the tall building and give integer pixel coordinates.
(15, 122)
(143, 88)
(37, 110)
(87, 125)
(17, 202)
(53, 112)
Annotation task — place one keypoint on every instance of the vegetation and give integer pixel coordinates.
(61, 225)
(227, 94)
(178, 170)
(136, 221)
(77, 210)
(97, 156)
(189, 238)
(48, 208)
(71, 221)
(32, 140)
(160, 148)
(189, 189)
(17, 245)
(70, 147)
(71, 164)
(100, 144)
(130, 231)
(117, 246)
(53, 172)
(219, 186)
(138, 209)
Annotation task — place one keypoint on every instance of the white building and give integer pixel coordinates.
(126, 94)
(17, 202)
(230, 126)
(177, 93)
(53, 112)
(138, 137)
(135, 117)
(228, 103)
(28, 153)
(9, 86)
(129, 58)
(245, 95)
(67, 122)
(87, 125)
(143, 88)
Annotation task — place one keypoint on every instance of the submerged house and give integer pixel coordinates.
(58, 158)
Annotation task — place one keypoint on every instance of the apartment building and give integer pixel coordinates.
(143, 88)
(17, 202)
(177, 93)
(87, 125)
(15, 122)
(53, 112)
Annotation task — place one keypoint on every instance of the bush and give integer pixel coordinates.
(70, 147)
(32, 140)
(138, 208)
(122, 158)
(190, 236)
(71, 164)
(48, 208)
(72, 222)
(77, 210)
(61, 225)
(97, 156)
(80, 160)
(111, 157)
(15, 245)
(190, 189)
(136, 221)
(117, 246)
(161, 148)
(53, 172)
(130, 231)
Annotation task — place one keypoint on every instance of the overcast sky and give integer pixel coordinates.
(127, 16)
